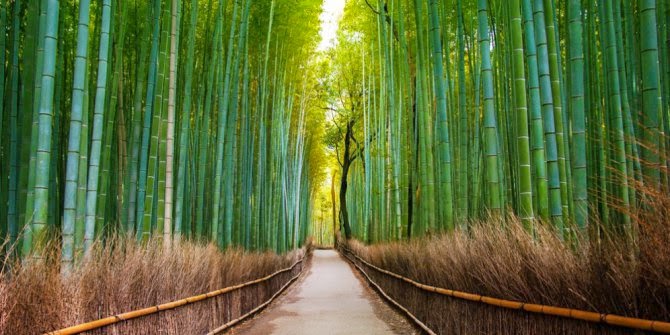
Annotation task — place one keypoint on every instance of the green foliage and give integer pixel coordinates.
(544, 116)
(117, 122)
(425, 115)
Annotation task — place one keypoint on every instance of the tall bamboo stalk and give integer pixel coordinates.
(97, 131)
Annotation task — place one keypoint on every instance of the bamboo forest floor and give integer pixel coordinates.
(330, 298)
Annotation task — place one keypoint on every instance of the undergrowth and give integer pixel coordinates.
(123, 275)
(606, 273)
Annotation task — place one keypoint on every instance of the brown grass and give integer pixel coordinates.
(4, 311)
(498, 258)
(122, 276)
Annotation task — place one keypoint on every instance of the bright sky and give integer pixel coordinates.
(330, 18)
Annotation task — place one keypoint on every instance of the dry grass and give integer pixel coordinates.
(4, 311)
(123, 276)
(499, 258)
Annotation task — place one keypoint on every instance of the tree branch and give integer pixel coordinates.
(337, 154)
(371, 8)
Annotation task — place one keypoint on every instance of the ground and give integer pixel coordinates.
(330, 298)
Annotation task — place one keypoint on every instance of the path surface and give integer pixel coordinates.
(328, 299)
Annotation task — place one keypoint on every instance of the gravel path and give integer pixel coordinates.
(328, 299)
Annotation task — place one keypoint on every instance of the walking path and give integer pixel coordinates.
(328, 299)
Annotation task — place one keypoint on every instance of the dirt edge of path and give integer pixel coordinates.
(241, 327)
(398, 322)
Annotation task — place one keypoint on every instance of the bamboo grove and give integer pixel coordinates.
(554, 110)
(169, 119)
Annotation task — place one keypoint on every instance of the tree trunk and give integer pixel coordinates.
(332, 195)
(344, 214)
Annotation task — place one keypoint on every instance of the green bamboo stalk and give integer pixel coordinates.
(82, 179)
(97, 131)
(46, 112)
(185, 123)
(75, 134)
(426, 156)
(490, 118)
(136, 134)
(214, 68)
(558, 96)
(246, 153)
(576, 67)
(548, 101)
(463, 156)
(112, 105)
(144, 228)
(615, 109)
(230, 141)
(651, 91)
(224, 92)
(537, 130)
(3, 61)
(172, 86)
(443, 142)
(32, 89)
(155, 199)
(14, 148)
(633, 163)
(520, 107)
